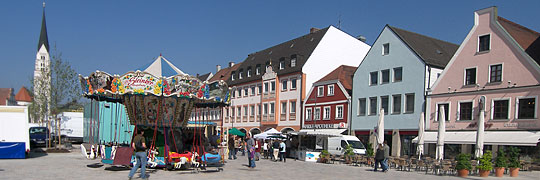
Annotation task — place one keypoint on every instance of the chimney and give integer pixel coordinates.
(218, 68)
(313, 30)
(231, 64)
(361, 38)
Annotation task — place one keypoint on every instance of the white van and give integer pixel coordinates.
(337, 145)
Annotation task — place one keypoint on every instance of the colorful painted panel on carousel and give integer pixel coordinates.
(103, 84)
(145, 110)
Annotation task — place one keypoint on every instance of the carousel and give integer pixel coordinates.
(158, 100)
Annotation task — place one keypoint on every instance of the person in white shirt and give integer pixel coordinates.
(282, 150)
(265, 149)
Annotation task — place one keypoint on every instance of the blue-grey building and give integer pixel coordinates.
(394, 76)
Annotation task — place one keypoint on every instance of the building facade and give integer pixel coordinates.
(328, 101)
(269, 86)
(497, 61)
(395, 76)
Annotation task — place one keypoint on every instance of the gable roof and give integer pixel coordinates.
(224, 74)
(5, 94)
(23, 95)
(528, 39)
(301, 47)
(161, 67)
(204, 77)
(43, 39)
(343, 74)
(433, 51)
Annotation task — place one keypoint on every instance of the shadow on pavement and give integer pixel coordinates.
(36, 153)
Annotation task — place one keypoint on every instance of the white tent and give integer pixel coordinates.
(268, 133)
(162, 67)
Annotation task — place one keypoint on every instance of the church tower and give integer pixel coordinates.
(42, 71)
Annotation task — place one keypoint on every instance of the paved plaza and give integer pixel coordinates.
(73, 166)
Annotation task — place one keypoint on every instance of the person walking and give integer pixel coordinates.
(379, 158)
(237, 145)
(257, 149)
(265, 149)
(275, 147)
(250, 145)
(386, 149)
(139, 146)
(282, 151)
(232, 149)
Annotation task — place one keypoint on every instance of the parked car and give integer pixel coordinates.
(38, 136)
(337, 145)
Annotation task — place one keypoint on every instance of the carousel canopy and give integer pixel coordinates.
(161, 67)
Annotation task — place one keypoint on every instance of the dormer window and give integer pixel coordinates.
(258, 69)
(386, 49)
(282, 64)
(484, 43)
(293, 60)
(232, 75)
(240, 74)
(249, 72)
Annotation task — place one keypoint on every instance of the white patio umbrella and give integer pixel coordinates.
(267, 133)
(380, 128)
(440, 135)
(480, 135)
(420, 146)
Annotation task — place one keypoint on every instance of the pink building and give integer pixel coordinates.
(498, 60)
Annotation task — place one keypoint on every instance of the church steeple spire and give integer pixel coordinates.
(43, 39)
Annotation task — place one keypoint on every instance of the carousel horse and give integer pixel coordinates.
(178, 165)
(153, 161)
(92, 154)
(194, 160)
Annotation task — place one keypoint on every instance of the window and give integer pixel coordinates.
(384, 104)
(258, 109)
(266, 87)
(386, 49)
(317, 114)
(293, 107)
(284, 85)
(398, 74)
(245, 110)
(500, 109)
(246, 93)
(330, 90)
(232, 76)
(373, 76)
(495, 73)
(293, 84)
(483, 43)
(308, 114)
(281, 64)
(252, 90)
(320, 91)
(284, 107)
(273, 86)
(239, 92)
(396, 104)
(240, 74)
(373, 106)
(272, 108)
(260, 88)
(239, 111)
(465, 110)
(361, 107)
(258, 69)
(385, 76)
(409, 103)
(446, 110)
(293, 62)
(265, 109)
(339, 112)
(526, 108)
(249, 72)
(233, 93)
(232, 112)
(470, 76)
(326, 113)
(226, 112)
(252, 110)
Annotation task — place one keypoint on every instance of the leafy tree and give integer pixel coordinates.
(513, 154)
(463, 161)
(485, 161)
(501, 159)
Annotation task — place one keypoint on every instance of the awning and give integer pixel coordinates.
(322, 132)
(513, 138)
(200, 124)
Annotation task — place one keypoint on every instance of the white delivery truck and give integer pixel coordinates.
(14, 128)
(337, 145)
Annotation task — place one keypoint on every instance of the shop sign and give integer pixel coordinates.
(320, 126)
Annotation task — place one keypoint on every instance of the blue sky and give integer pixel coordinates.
(119, 36)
